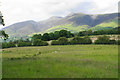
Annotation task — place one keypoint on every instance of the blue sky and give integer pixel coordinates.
(22, 10)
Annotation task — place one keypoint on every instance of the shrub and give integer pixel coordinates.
(8, 45)
(62, 41)
(112, 42)
(104, 40)
(39, 42)
(118, 42)
(87, 40)
(54, 42)
(44, 43)
(21, 44)
(78, 40)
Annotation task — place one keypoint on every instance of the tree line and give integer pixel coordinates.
(61, 38)
(99, 32)
(53, 35)
(60, 41)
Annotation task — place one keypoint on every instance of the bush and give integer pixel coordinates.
(118, 42)
(112, 42)
(104, 40)
(62, 41)
(21, 44)
(54, 42)
(87, 40)
(43, 43)
(8, 45)
(39, 42)
(78, 40)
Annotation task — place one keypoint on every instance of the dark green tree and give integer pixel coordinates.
(63, 33)
(39, 42)
(56, 35)
(3, 35)
(36, 36)
(46, 37)
(63, 41)
(52, 36)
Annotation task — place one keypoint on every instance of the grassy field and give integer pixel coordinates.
(69, 61)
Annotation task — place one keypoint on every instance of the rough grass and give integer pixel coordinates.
(69, 27)
(69, 61)
(106, 25)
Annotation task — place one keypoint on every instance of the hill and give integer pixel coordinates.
(74, 22)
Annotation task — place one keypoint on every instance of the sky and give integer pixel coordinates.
(21, 10)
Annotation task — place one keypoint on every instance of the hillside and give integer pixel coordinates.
(74, 22)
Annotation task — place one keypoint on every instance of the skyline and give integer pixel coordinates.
(21, 10)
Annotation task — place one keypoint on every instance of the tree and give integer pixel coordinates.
(88, 33)
(79, 40)
(87, 40)
(3, 35)
(63, 41)
(63, 33)
(46, 37)
(2, 20)
(56, 35)
(103, 40)
(76, 40)
(52, 36)
(36, 36)
(69, 34)
(80, 34)
(8, 45)
(54, 42)
(39, 42)
(21, 44)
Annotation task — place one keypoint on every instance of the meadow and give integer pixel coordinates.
(65, 61)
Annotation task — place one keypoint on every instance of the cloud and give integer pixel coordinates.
(21, 10)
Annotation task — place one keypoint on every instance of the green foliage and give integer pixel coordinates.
(46, 37)
(60, 41)
(39, 42)
(63, 41)
(36, 36)
(118, 42)
(3, 35)
(104, 40)
(79, 40)
(63, 33)
(22, 44)
(53, 35)
(8, 45)
(54, 42)
(85, 33)
(57, 35)
(98, 32)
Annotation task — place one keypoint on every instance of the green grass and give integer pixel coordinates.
(106, 25)
(69, 61)
(69, 27)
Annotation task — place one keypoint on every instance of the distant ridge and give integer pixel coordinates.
(74, 22)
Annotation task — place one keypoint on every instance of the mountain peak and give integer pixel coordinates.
(55, 17)
(73, 14)
(73, 22)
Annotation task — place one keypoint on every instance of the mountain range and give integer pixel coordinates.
(73, 22)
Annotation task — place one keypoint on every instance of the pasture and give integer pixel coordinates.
(66, 61)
